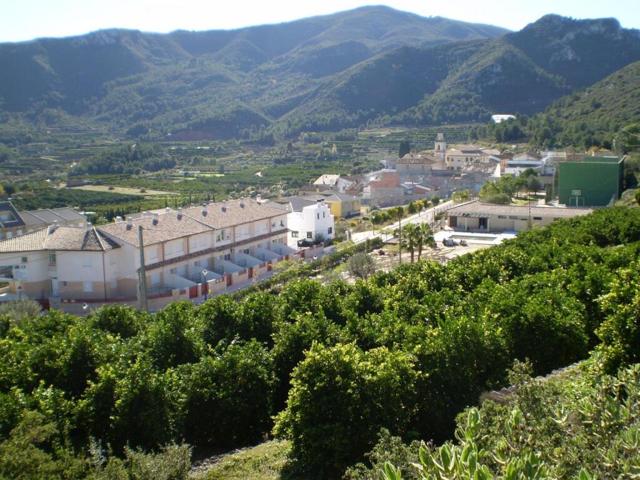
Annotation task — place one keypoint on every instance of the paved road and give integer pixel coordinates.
(426, 216)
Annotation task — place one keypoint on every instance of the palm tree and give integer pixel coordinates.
(411, 238)
(425, 237)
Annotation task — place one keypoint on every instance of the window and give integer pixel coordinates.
(87, 287)
(294, 234)
(24, 259)
(537, 218)
(173, 271)
(52, 259)
(196, 263)
(282, 223)
(318, 216)
(227, 257)
(324, 214)
(246, 251)
(330, 230)
(309, 234)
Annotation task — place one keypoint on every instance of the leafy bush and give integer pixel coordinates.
(367, 390)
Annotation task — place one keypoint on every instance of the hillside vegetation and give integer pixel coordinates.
(351, 69)
(406, 351)
(606, 114)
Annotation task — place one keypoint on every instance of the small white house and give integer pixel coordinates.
(309, 220)
(334, 182)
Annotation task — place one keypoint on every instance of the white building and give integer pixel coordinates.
(333, 182)
(468, 156)
(499, 118)
(519, 163)
(187, 254)
(309, 221)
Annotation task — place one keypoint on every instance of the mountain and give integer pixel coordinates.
(594, 116)
(523, 72)
(56, 68)
(372, 64)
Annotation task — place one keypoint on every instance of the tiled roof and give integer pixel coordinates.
(386, 180)
(327, 179)
(475, 209)
(170, 225)
(59, 238)
(417, 159)
(25, 243)
(75, 238)
(298, 203)
(343, 197)
(232, 212)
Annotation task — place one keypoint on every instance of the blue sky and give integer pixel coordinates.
(27, 19)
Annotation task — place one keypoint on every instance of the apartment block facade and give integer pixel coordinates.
(188, 254)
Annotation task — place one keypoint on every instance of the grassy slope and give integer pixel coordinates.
(262, 462)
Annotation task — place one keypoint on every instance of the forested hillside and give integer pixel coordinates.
(606, 114)
(406, 351)
(372, 64)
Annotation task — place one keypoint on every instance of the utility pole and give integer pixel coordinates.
(400, 212)
(142, 275)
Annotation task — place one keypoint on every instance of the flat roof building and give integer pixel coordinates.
(591, 181)
(486, 217)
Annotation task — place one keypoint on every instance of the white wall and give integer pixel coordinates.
(201, 241)
(35, 269)
(79, 266)
(313, 221)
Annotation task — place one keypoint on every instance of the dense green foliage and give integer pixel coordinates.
(127, 159)
(406, 350)
(605, 115)
(580, 425)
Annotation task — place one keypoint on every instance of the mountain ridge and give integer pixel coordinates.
(372, 64)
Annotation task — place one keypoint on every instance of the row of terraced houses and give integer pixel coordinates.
(188, 254)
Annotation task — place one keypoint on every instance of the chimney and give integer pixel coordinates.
(118, 219)
(204, 211)
(241, 204)
(129, 223)
(179, 216)
(155, 219)
(224, 209)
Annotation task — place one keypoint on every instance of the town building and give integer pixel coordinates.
(417, 165)
(485, 217)
(499, 118)
(440, 147)
(465, 156)
(333, 182)
(519, 163)
(309, 221)
(14, 223)
(590, 181)
(188, 253)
